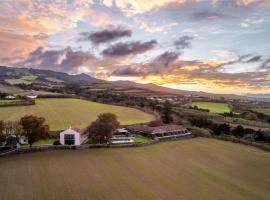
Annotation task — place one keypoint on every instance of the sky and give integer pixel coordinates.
(216, 46)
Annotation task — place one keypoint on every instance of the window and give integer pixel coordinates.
(69, 139)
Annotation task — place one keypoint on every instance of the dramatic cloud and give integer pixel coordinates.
(164, 60)
(131, 48)
(237, 26)
(199, 74)
(183, 42)
(132, 7)
(15, 47)
(249, 58)
(208, 15)
(128, 71)
(67, 59)
(266, 64)
(106, 35)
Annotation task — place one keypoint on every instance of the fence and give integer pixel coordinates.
(88, 146)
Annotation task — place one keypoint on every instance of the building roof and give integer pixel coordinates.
(157, 129)
(73, 129)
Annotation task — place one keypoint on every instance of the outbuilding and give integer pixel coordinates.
(72, 136)
(159, 132)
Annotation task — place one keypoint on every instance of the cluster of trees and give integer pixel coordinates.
(226, 129)
(249, 115)
(33, 127)
(102, 129)
(200, 109)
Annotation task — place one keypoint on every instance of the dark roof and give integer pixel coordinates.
(150, 130)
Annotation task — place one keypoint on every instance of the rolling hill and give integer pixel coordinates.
(49, 77)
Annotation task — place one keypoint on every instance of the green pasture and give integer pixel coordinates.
(215, 107)
(63, 113)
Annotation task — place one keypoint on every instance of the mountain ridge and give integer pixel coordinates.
(16, 73)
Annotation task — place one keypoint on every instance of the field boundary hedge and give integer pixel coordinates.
(89, 146)
(18, 103)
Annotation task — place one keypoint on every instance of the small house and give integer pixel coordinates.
(72, 136)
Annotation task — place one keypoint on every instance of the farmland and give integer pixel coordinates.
(188, 169)
(265, 111)
(215, 107)
(62, 113)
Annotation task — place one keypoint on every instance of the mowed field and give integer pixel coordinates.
(263, 110)
(214, 107)
(63, 113)
(189, 169)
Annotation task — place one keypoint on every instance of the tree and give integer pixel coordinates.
(259, 136)
(33, 128)
(167, 113)
(239, 131)
(2, 127)
(102, 129)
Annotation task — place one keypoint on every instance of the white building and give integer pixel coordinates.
(23, 139)
(10, 97)
(72, 136)
(32, 96)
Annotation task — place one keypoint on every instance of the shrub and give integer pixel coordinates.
(57, 142)
(200, 132)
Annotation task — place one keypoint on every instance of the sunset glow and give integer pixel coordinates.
(213, 46)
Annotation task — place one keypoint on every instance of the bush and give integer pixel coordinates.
(200, 132)
(57, 142)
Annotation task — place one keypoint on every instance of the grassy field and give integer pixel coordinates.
(48, 141)
(63, 113)
(193, 169)
(263, 110)
(214, 107)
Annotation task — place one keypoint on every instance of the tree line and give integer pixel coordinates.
(226, 129)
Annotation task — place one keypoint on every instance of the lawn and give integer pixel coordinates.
(188, 169)
(140, 139)
(8, 100)
(63, 113)
(214, 107)
(48, 141)
(265, 111)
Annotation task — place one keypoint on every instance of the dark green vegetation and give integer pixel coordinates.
(262, 136)
(34, 128)
(189, 169)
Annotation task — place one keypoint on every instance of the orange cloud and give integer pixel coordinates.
(131, 7)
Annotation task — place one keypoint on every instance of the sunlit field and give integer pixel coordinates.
(189, 169)
(214, 107)
(63, 113)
